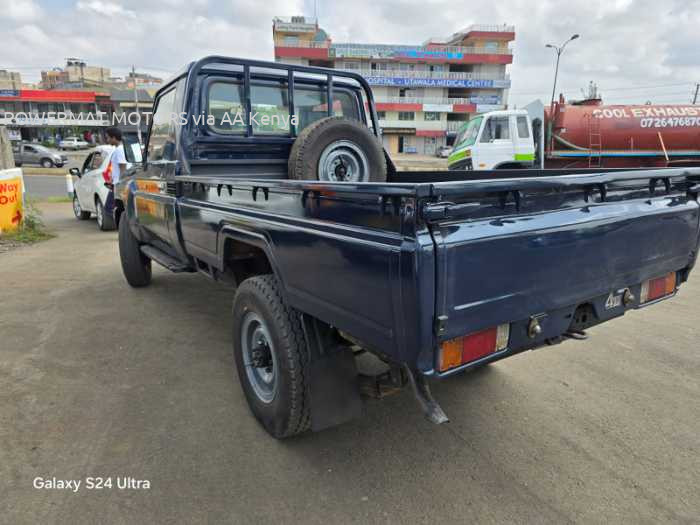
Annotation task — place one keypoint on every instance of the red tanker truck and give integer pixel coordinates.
(583, 134)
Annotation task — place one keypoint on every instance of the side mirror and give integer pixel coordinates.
(75, 172)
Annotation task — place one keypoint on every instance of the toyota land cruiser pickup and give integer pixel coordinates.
(272, 177)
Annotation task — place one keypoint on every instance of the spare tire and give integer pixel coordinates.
(335, 149)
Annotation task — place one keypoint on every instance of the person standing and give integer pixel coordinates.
(117, 162)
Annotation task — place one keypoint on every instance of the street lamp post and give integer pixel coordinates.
(558, 50)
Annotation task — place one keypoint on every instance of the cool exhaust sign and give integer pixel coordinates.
(11, 188)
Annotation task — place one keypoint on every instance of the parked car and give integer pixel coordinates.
(443, 152)
(37, 154)
(93, 192)
(334, 253)
(73, 143)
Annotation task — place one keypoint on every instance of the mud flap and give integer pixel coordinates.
(334, 391)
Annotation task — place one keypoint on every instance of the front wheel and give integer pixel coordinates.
(46, 163)
(135, 265)
(271, 357)
(78, 210)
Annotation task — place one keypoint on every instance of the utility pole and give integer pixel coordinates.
(136, 101)
(558, 50)
(695, 97)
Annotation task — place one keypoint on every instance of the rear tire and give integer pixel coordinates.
(335, 149)
(78, 209)
(271, 357)
(104, 221)
(135, 265)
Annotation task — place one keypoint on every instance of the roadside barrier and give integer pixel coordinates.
(11, 199)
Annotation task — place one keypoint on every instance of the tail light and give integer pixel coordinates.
(657, 288)
(468, 348)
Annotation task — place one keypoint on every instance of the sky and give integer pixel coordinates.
(635, 50)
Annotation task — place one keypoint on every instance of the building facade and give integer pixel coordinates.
(10, 80)
(423, 93)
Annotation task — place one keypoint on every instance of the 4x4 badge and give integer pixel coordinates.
(613, 301)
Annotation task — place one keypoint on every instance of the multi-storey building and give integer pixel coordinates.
(10, 80)
(424, 93)
(75, 75)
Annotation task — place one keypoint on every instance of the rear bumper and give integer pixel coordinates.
(558, 324)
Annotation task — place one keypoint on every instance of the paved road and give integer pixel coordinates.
(40, 187)
(97, 379)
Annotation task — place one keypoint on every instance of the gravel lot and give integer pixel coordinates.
(97, 379)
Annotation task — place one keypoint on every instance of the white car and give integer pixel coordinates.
(92, 195)
(72, 143)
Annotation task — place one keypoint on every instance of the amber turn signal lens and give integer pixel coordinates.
(657, 288)
(450, 354)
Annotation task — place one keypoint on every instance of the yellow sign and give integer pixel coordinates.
(11, 188)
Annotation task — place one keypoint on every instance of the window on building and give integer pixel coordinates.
(491, 46)
(291, 40)
(407, 115)
(496, 128)
(352, 65)
(431, 115)
(381, 115)
(523, 130)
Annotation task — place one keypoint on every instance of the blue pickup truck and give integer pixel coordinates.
(272, 177)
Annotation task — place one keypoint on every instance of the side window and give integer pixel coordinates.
(523, 130)
(269, 109)
(96, 160)
(29, 149)
(496, 128)
(161, 141)
(87, 163)
(225, 101)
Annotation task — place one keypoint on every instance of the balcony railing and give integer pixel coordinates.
(428, 125)
(388, 51)
(455, 125)
(422, 100)
(435, 100)
(452, 75)
(305, 44)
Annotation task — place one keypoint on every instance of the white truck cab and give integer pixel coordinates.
(495, 140)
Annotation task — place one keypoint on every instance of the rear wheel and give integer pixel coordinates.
(135, 265)
(78, 210)
(104, 220)
(271, 357)
(334, 149)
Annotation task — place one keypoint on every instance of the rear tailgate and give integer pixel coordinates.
(511, 249)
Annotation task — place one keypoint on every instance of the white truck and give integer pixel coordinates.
(495, 140)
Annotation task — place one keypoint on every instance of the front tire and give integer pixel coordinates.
(271, 357)
(78, 210)
(135, 265)
(46, 163)
(104, 221)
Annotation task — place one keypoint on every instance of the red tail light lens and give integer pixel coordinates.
(462, 350)
(657, 288)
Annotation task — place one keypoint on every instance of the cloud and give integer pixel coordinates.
(635, 44)
(20, 10)
(107, 9)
